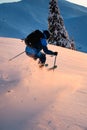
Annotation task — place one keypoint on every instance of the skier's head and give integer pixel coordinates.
(46, 33)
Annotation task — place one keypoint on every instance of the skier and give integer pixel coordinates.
(36, 41)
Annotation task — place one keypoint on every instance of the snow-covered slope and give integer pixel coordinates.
(20, 18)
(79, 2)
(37, 99)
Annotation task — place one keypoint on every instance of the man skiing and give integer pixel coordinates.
(37, 43)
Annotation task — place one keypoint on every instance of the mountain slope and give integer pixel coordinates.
(22, 17)
(19, 19)
(34, 98)
(75, 18)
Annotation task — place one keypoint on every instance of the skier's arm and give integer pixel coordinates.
(49, 52)
(45, 48)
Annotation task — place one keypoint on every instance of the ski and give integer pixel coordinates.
(52, 68)
(43, 65)
(46, 65)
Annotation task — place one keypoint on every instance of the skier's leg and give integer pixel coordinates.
(31, 52)
(42, 57)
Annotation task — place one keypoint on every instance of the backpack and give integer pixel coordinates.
(33, 39)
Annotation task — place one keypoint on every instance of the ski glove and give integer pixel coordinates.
(55, 53)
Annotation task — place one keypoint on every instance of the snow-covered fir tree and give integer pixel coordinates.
(59, 35)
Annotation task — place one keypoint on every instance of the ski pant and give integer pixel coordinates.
(35, 54)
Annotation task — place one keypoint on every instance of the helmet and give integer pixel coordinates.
(46, 33)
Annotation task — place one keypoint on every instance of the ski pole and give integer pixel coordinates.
(55, 61)
(16, 56)
(54, 66)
